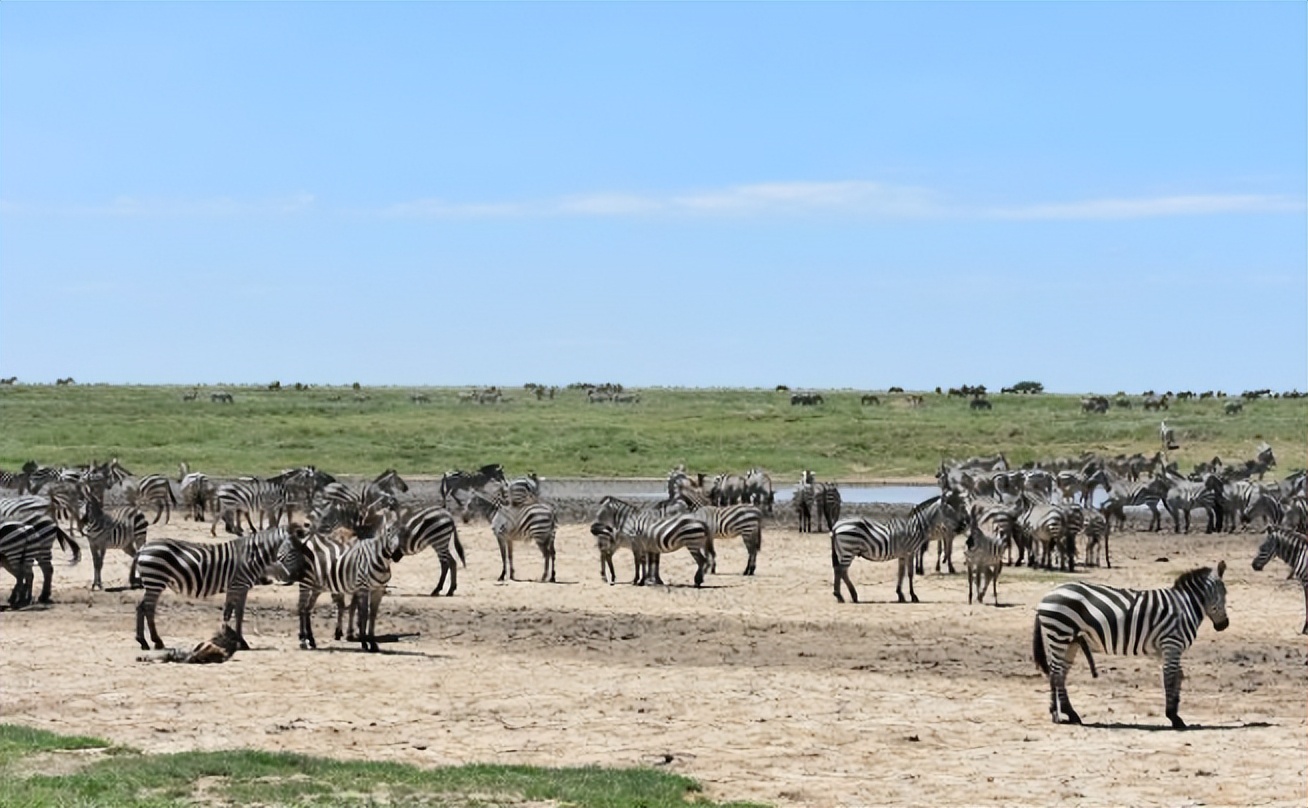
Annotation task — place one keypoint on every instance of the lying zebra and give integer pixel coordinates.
(218, 648)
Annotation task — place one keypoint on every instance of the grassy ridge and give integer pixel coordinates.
(152, 429)
(243, 777)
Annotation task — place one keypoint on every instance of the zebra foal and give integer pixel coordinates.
(360, 570)
(1155, 622)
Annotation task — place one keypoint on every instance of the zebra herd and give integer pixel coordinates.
(347, 538)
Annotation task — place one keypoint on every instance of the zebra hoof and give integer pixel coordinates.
(1177, 723)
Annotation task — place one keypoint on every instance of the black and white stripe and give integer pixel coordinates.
(534, 521)
(985, 560)
(28, 540)
(727, 521)
(650, 533)
(901, 540)
(153, 491)
(434, 527)
(124, 530)
(1154, 622)
(246, 497)
(1292, 548)
(202, 570)
(360, 570)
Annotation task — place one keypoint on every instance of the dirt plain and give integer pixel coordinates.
(761, 688)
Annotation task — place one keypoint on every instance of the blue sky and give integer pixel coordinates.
(1097, 196)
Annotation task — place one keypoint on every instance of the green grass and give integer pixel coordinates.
(151, 429)
(245, 777)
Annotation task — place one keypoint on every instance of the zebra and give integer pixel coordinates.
(1122, 494)
(523, 490)
(816, 499)
(198, 494)
(1247, 499)
(509, 523)
(26, 540)
(362, 511)
(758, 489)
(727, 489)
(985, 560)
(612, 514)
(1157, 622)
(153, 490)
(18, 481)
(201, 570)
(124, 531)
(1096, 537)
(1292, 548)
(458, 480)
(433, 527)
(1041, 527)
(650, 533)
(1186, 495)
(745, 521)
(245, 497)
(899, 539)
(361, 570)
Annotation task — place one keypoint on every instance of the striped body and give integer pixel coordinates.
(124, 530)
(29, 540)
(154, 491)
(360, 570)
(199, 495)
(1040, 528)
(203, 570)
(534, 521)
(900, 540)
(1096, 533)
(246, 497)
(650, 533)
(743, 521)
(433, 527)
(1187, 495)
(1291, 547)
(1156, 622)
(985, 560)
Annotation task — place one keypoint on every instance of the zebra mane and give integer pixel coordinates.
(924, 506)
(1194, 579)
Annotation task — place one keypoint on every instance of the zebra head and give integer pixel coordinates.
(1278, 538)
(291, 558)
(1205, 585)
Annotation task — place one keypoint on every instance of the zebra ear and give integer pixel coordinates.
(1221, 568)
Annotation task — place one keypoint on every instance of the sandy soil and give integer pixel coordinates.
(762, 689)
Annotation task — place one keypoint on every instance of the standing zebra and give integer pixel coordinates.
(201, 570)
(1186, 495)
(898, 539)
(245, 497)
(153, 490)
(1156, 622)
(745, 521)
(1292, 548)
(985, 560)
(613, 514)
(650, 533)
(123, 531)
(509, 523)
(758, 489)
(433, 527)
(360, 570)
(198, 493)
(26, 540)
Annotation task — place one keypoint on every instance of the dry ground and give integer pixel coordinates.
(762, 689)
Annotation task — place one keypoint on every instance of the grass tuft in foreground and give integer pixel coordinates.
(245, 777)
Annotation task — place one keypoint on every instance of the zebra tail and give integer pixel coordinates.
(66, 542)
(1085, 647)
(458, 548)
(1038, 648)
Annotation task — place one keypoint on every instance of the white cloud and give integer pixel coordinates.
(1152, 207)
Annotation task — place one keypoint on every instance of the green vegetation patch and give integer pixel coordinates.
(247, 777)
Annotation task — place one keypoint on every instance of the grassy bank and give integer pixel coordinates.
(43, 769)
(346, 431)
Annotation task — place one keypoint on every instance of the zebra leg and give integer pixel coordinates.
(970, 572)
(145, 613)
(308, 597)
(235, 607)
(906, 570)
(134, 577)
(448, 566)
(338, 600)
(1172, 684)
(703, 562)
(47, 572)
(752, 546)
(547, 556)
(97, 561)
(1305, 608)
(842, 574)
